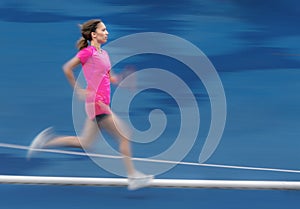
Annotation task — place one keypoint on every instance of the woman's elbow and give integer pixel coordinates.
(66, 68)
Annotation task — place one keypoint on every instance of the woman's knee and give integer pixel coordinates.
(84, 142)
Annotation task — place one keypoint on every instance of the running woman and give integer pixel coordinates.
(97, 72)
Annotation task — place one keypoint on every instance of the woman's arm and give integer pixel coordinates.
(114, 79)
(118, 78)
(68, 69)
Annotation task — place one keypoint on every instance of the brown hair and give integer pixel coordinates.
(86, 29)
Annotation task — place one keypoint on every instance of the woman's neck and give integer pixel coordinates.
(96, 45)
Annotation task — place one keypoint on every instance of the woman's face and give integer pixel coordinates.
(101, 34)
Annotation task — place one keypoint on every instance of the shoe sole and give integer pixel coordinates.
(137, 183)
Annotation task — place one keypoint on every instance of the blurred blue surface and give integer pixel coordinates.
(254, 46)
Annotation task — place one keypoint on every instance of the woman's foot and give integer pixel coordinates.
(139, 180)
(39, 141)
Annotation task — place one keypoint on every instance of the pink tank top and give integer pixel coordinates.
(96, 69)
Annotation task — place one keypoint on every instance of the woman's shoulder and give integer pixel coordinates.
(105, 52)
(88, 49)
(85, 53)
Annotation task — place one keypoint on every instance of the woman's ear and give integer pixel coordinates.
(93, 34)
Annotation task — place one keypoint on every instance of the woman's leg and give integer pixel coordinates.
(112, 125)
(89, 134)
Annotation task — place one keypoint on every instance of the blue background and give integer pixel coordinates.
(254, 46)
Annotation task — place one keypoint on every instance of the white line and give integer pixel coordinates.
(14, 146)
(175, 183)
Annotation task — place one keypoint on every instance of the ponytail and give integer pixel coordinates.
(82, 43)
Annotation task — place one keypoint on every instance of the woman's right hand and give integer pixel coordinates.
(81, 93)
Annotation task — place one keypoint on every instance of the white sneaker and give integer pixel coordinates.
(39, 141)
(139, 180)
